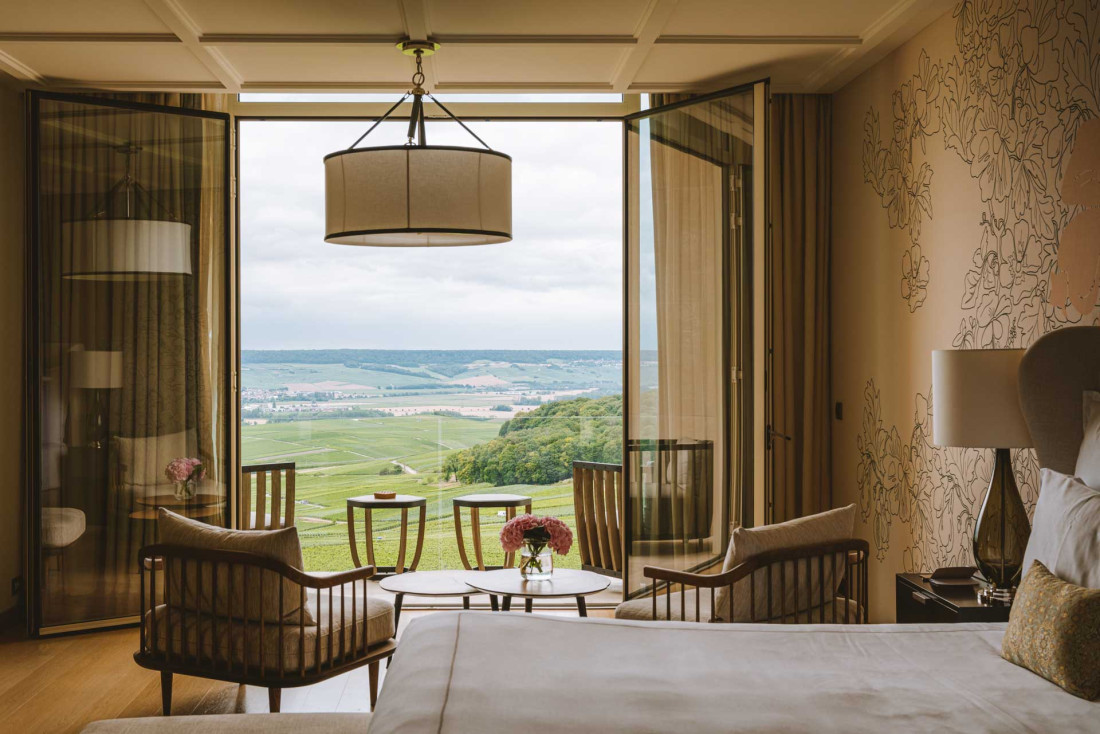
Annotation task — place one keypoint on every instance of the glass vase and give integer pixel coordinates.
(536, 562)
(185, 490)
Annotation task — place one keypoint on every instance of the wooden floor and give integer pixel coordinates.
(60, 684)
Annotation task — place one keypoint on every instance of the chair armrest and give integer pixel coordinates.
(313, 581)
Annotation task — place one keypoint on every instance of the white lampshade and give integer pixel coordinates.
(96, 369)
(126, 249)
(418, 196)
(976, 402)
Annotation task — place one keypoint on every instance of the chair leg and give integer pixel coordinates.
(274, 699)
(166, 693)
(373, 670)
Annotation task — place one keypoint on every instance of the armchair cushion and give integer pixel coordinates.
(203, 593)
(303, 647)
(825, 527)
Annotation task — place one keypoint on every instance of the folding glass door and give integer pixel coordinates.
(693, 180)
(128, 344)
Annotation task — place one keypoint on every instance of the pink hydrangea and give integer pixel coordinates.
(184, 469)
(514, 532)
(511, 535)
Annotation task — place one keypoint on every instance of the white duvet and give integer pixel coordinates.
(483, 672)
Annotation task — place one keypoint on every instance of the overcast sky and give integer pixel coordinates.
(556, 285)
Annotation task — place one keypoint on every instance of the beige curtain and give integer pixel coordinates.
(167, 331)
(801, 136)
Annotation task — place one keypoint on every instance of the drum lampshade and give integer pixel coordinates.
(418, 196)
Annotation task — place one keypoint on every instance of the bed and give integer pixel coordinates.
(477, 672)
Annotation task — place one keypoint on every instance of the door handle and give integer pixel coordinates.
(774, 434)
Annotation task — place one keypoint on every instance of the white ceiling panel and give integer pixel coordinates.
(78, 16)
(368, 17)
(669, 66)
(775, 17)
(110, 62)
(530, 17)
(520, 63)
(299, 62)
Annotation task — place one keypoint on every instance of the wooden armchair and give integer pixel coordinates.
(823, 583)
(223, 615)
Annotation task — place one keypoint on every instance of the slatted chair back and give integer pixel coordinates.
(598, 505)
(221, 614)
(258, 511)
(793, 585)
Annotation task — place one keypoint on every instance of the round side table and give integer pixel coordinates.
(429, 583)
(564, 582)
(477, 503)
(368, 503)
(199, 506)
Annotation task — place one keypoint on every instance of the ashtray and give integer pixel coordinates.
(385, 495)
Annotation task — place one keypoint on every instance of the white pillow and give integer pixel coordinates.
(1088, 456)
(142, 460)
(1065, 535)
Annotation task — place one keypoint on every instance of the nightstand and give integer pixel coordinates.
(918, 601)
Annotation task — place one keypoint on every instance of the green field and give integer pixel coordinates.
(340, 458)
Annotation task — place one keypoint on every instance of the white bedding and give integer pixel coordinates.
(481, 672)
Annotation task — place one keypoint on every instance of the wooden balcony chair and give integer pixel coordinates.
(254, 510)
(227, 605)
(597, 504)
(821, 582)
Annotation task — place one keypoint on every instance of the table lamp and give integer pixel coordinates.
(96, 371)
(976, 404)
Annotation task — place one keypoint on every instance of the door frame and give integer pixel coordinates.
(751, 373)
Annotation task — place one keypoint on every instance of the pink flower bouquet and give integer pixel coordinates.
(185, 473)
(534, 534)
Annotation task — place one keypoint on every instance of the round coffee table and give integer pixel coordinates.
(508, 582)
(429, 583)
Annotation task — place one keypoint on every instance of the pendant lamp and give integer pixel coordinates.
(418, 195)
(116, 243)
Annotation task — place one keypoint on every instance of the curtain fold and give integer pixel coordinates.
(108, 435)
(801, 139)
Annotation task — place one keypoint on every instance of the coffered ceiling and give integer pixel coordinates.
(488, 45)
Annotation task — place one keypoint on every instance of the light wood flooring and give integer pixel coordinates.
(60, 684)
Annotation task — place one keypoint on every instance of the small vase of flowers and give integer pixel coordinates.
(535, 538)
(185, 473)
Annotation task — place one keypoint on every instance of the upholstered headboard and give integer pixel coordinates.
(1054, 373)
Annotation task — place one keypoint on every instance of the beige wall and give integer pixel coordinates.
(12, 154)
(952, 227)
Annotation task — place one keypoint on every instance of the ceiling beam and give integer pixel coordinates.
(89, 37)
(19, 70)
(415, 15)
(649, 28)
(181, 24)
(760, 40)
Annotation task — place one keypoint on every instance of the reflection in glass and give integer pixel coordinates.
(131, 247)
(687, 232)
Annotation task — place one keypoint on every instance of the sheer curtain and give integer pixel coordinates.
(801, 139)
(133, 363)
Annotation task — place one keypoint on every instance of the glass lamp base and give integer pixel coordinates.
(994, 596)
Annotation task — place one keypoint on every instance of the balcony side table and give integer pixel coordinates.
(404, 502)
(476, 503)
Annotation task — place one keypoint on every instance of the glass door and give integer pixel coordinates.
(693, 180)
(130, 347)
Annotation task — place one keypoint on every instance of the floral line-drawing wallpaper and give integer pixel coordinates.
(1019, 104)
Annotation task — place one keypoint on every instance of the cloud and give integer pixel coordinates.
(556, 285)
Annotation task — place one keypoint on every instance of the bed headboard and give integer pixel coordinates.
(1053, 373)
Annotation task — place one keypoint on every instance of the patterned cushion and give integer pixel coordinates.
(1054, 631)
